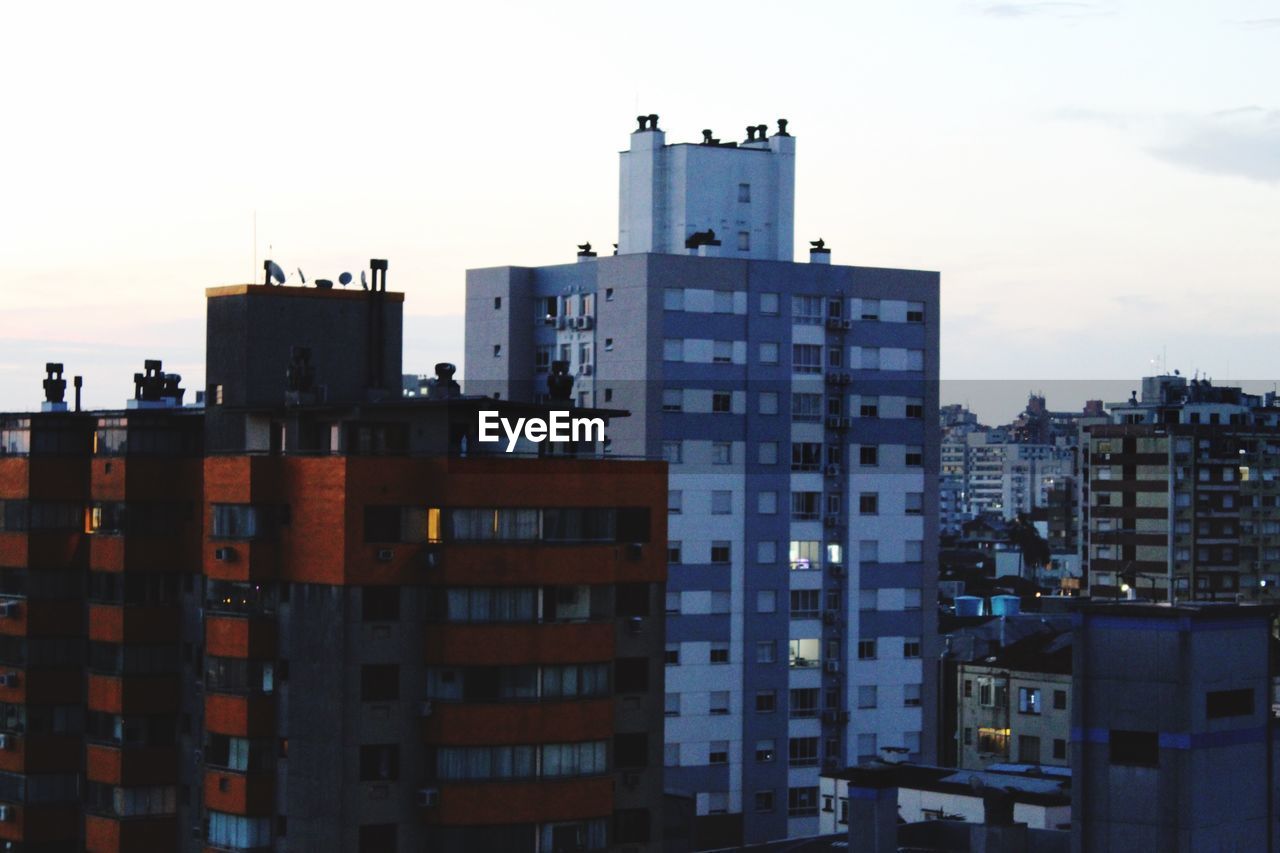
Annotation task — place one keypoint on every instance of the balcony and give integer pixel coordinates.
(134, 694)
(239, 793)
(240, 637)
(135, 623)
(132, 765)
(519, 722)
(155, 834)
(531, 801)
(507, 645)
(240, 716)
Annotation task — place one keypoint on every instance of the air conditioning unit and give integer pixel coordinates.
(846, 324)
(635, 624)
(10, 610)
(834, 323)
(9, 679)
(833, 470)
(833, 422)
(830, 616)
(224, 555)
(831, 520)
(6, 814)
(428, 797)
(584, 369)
(6, 740)
(832, 666)
(425, 709)
(562, 321)
(586, 322)
(386, 555)
(828, 716)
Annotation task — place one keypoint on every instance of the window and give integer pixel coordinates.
(915, 408)
(802, 752)
(868, 503)
(806, 358)
(764, 801)
(805, 506)
(805, 554)
(802, 802)
(673, 602)
(911, 695)
(1028, 700)
(805, 603)
(766, 701)
(671, 705)
(1229, 703)
(768, 403)
(869, 407)
(744, 241)
(608, 344)
(915, 312)
(869, 454)
(1059, 749)
(767, 503)
(768, 353)
(675, 502)
(673, 349)
(722, 402)
(767, 453)
(672, 400)
(744, 193)
(870, 309)
(914, 503)
(769, 304)
(806, 407)
(914, 456)
(835, 357)
(1059, 700)
(721, 502)
(720, 552)
(673, 452)
(911, 647)
(379, 682)
(866, 650)
(806, 310)
(993, 741)
(722, 352)
(803, 653)
(379, 763)
(766, 651)
(542, 358)
(765, 750)
(867, 696)
(1028, 749)
(497, 350)
(766, 601)
(719, 702)
(719, 652)
(671, 655)
(718, 752)
(721, 452)
(1135, 749)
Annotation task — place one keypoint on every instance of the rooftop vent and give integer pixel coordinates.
(55, 388)
(443, 386)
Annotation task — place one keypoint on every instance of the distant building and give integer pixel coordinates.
(1014, 705)
(1183, 486)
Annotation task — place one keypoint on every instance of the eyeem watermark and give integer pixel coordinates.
(560, 427)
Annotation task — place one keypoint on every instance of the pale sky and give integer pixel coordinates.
(1098, 183)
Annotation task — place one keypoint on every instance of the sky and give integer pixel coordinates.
(1098, 183)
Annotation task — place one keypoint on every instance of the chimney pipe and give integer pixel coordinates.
(78, 382)
(751, 133)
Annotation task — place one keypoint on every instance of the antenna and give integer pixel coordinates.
(344, 279)
(301, 276)
(364, 282)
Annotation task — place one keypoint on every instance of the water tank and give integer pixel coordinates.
(968, 605)
(1005, 605)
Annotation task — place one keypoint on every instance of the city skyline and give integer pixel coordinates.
(1012, 146)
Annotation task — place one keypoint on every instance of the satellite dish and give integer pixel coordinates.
(276, 273)
(301, 276)
(344, 279)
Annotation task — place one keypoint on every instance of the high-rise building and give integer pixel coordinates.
(317, 616)
(797, 406)
(1182, 488)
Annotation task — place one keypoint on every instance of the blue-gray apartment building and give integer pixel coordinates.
(797, 405)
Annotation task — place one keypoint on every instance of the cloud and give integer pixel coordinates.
(1047, 9)
(1243, 143)
(1260, 24)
